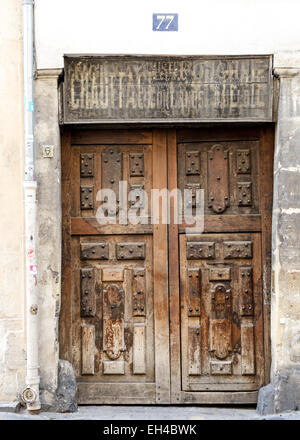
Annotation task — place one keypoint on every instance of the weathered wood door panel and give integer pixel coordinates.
(221, 319)
(220, 308)
(116, 293)
(150, 314)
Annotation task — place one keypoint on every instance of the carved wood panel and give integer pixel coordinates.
(116, 281)
(113, 309)
(221, 340)
(117, 300)
(227, 173)
(226, 348)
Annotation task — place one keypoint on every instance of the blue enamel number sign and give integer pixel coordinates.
(165, 22)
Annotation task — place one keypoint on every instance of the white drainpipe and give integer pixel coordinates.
(31, 393)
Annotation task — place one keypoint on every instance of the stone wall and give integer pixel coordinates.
(284, 391)
(12, 326)
(48, 174)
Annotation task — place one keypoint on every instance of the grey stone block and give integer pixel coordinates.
(62, 398)
(66, 394)
(282, 395)
(10, 407)
(265, 402)
(287, 390)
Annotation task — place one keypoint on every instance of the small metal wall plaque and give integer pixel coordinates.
(48, 150)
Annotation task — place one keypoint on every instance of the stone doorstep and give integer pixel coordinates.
(147, 413)
(10, 407)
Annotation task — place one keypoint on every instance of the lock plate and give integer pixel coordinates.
(130, 251)
(94, 251)
(243, 162)
(87, 165)
(87, 197)
(194, 286)
(220, 367)
(137, 164)
(193, 201)
(136, 196)
(197, 250)
(192, 163)
(138, 293)
(218, 178)
(221, 273)
(112, 170)
(88, 299)
(245, 193)
(246, 295)
(237, 249)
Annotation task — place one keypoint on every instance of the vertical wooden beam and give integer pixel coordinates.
(265, 171)
(65, 322)
(259, 363)
(87, 349)
(194, 350)
(139, 349)
(160, 272)
(174, 273)
(247, 343)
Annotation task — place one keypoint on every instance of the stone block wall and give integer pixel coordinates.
(12, 325)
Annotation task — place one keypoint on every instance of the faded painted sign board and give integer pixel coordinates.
(107, 89)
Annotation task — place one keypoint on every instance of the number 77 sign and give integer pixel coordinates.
(165, 22)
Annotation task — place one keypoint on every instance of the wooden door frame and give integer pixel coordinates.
(166, 140)
(160, 276)
(159, 233)
(265, 134)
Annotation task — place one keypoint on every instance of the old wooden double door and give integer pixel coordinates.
(149, 313)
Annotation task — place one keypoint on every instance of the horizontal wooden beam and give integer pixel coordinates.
(228, 223)
(111, 137)
(90, 226)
